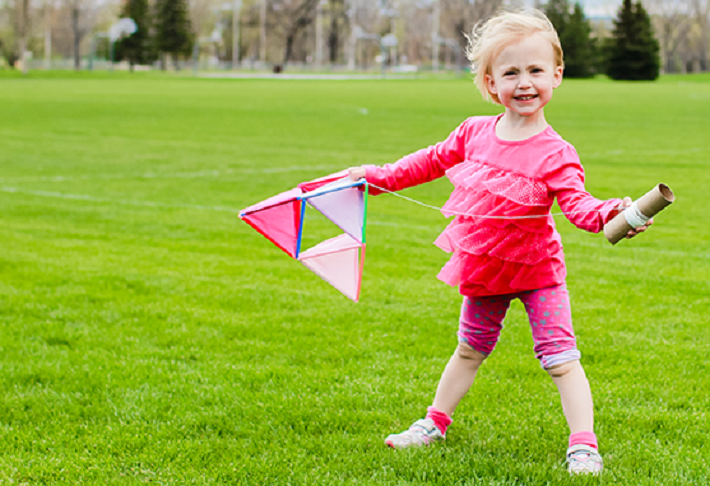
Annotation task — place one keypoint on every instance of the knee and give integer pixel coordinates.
(564, 369)
(466, 352)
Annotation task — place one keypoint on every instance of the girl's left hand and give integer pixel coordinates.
(356, 173)
(640, 229)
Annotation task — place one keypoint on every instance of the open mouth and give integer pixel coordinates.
(526, 97)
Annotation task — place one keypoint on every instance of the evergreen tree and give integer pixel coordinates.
(558, 13)
(173, 30)
(632, 51)
(651, 65)
(138, 47)
(574, 31)
(578, 45)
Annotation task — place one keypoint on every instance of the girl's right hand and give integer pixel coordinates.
(356, 173)
(626, 203)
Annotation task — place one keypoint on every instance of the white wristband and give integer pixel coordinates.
(634, 216)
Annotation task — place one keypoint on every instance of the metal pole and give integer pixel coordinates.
(393, 49)
(262, 41)
(319, 35)
(195, 56)
(92, 50)
(112, 54)
(353, 36)
(236, 19)
(458, 59)
(435, 37)
(24, 14)
(47, 37)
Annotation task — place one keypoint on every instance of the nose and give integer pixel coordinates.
(524, 81)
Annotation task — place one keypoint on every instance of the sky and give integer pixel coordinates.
(595, 8)
(600, 8)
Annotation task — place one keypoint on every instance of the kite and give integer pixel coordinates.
(339, 261)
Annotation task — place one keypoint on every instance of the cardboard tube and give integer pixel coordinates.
(650, 204)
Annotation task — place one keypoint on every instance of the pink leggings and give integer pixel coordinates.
(550, 320)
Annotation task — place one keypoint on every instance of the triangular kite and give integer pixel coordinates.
(278, 219)
(338, 261)
(343, 206)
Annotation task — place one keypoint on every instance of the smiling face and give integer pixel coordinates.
(523, 76)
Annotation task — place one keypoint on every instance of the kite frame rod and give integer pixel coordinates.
(357, 246)
(319, 192)
(247, 213)
(300, 228)
(364, 212)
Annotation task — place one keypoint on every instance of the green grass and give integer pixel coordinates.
(146, 336)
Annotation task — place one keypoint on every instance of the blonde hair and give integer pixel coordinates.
(488, 39)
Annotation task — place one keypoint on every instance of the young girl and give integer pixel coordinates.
(509, 167)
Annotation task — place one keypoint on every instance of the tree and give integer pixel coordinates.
(337, 27)
(673, 25)
(138, 47)
(701, 9)
(84, 14)
(574, 31)
(9, 32)
(23, 31)
(460, 16)
(296, 15)
(578, 45)
(173, 34)
(558, 13)
(632, 51)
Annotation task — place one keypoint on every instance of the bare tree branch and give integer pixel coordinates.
(673, 24)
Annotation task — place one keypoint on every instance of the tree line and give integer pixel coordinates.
(163, 29)
(645, 36)
(631, 52)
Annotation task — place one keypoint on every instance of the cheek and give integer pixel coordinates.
(507, 89)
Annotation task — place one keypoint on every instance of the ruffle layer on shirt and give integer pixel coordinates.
(473, 176)
(499, 211)
(511, 243)
(479, 275)
(493, 256)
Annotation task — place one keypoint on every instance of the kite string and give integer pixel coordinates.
(482, 216)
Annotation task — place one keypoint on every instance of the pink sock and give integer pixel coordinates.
(586, 438)
(441, 420)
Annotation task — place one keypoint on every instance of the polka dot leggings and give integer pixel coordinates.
(550, 320)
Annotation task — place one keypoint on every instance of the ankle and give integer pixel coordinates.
(584, 438)
(440, 419)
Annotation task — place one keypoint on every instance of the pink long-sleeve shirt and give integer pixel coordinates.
(505, 179)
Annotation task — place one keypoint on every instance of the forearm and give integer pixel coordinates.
(409, 171)
(421, 166)
(587, 212)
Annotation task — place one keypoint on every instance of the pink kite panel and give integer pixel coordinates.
(339, 243)
(279, 224)
(282, 198)
(345, 208)
(320, 182)
(341, 270)
(337, 261)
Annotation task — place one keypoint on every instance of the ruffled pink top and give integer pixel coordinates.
(500, 178)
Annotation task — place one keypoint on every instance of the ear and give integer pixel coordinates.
(557, 76)
(491, 84)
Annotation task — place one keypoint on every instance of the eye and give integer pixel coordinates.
(510, 73)
(536, 70)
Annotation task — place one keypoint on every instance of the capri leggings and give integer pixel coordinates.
(550, 319)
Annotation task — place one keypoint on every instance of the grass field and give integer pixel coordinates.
(148, 335)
